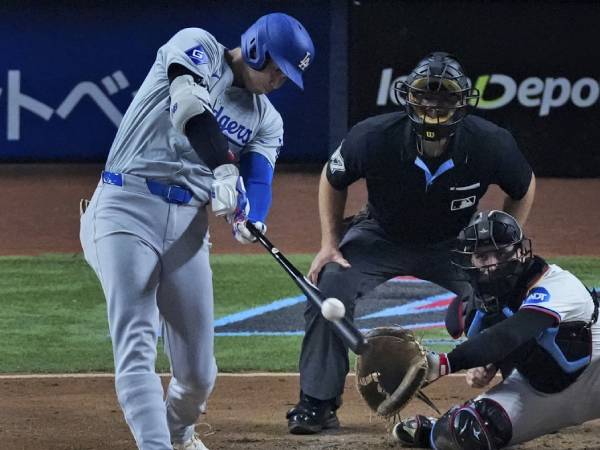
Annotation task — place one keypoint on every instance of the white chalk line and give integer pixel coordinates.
(33, 376)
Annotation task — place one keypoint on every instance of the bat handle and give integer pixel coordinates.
(258, 235)
(252, 229)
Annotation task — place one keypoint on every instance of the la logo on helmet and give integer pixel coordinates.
(303, 64)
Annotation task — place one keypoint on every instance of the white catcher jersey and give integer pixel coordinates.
(559, 293)
(149, 146)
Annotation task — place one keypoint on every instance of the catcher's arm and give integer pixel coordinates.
(438, 365)
(494, 344)
(485, 349)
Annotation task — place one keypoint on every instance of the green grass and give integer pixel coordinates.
(246, 281)
(53, 314)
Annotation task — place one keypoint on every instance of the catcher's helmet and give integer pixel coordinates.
(282, 38)
(436, 95)
(494, 247)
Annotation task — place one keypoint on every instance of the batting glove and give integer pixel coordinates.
(243, 235)
(239, 217)
(224, 190)
(438, 366)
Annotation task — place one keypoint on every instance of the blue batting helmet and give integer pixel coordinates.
(282, 38)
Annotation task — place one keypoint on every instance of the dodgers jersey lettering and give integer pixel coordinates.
(148, 145)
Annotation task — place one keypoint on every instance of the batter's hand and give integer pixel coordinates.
(325, 255)
(480, 377)
(224, 190)
(241, 233)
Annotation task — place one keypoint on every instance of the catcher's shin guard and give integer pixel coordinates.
(477, 425)
(414, 432)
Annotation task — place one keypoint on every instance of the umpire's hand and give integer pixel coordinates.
(325, 255)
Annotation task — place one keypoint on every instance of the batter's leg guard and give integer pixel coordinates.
(477, 425)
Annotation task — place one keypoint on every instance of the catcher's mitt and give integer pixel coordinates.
(392, 371)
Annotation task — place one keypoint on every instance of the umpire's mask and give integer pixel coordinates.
(436, 96)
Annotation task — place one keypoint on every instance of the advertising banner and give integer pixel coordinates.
(533, 63)
(68, 73)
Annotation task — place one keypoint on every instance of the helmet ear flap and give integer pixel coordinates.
(400, 91)
(251, 53)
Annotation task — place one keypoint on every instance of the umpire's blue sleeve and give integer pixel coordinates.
(257, 173)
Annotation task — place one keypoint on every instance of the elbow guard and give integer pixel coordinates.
(188, 99)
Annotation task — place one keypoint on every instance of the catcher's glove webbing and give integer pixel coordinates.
(391, 372)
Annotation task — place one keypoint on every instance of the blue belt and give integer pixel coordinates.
(171, 193)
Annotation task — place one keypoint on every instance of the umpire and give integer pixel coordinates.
(426, 169)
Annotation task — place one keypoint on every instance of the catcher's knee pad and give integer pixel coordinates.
(477, 425)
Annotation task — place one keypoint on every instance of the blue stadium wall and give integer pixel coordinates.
(68, 71)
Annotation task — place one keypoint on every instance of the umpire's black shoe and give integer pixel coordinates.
(311, 415)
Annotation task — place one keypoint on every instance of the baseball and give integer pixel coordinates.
(333, 309)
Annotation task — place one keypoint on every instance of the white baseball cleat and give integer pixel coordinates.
(192, 444)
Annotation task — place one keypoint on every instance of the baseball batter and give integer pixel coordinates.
(199, 129)
(537, 324)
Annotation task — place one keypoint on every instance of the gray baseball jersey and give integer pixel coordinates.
(149, 146)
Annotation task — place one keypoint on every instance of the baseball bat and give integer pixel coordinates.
(345, 329)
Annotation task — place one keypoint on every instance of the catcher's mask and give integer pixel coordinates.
(436, 95)
(492, 247)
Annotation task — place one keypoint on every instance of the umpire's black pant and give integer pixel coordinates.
(375, 258)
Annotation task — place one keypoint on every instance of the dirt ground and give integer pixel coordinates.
(39, 215)
(83, 414)
(39, 212)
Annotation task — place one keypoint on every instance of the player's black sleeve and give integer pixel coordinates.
(202, 130)
(176, 70)
(494, 344)
(513, 172)
(348, 162)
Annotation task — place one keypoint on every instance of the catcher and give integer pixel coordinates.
(535, 323)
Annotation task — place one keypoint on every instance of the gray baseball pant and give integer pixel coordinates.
(151, 258)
